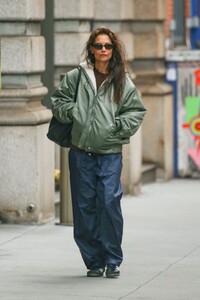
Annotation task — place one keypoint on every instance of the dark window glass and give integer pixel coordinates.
(179, 16)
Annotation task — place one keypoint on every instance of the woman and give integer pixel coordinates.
(108, 110)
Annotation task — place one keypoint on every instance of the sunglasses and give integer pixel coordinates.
(107, 46)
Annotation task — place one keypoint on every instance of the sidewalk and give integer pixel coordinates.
(161, 253)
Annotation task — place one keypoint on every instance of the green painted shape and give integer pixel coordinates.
(192, 107)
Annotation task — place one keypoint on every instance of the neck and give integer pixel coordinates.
(102, 68)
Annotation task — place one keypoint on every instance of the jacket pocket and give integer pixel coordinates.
(101, 135)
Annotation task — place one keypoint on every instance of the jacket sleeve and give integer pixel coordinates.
(62, 100)
(131, 114)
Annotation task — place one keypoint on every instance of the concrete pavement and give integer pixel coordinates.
(161, 253)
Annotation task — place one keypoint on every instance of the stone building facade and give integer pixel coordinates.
(39, 41)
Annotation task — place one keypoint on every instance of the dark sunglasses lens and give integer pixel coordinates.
(99, 46)
(108, 46)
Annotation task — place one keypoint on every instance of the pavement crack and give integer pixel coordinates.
(161, 272)
(19, 236)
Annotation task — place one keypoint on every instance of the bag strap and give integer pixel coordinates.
(77, 84)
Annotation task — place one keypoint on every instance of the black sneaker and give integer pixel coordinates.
(96, 272)
(112, 271)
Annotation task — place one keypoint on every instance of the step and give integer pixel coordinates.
(148, 173)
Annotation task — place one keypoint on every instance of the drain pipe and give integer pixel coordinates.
(66, 217)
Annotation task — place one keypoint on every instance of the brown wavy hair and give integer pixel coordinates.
(117, 63)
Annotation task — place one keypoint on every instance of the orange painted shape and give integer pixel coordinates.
(186, 125)
(197, 77)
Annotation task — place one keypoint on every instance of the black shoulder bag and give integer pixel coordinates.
(60, 133)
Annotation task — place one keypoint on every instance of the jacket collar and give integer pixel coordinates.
(90, 72)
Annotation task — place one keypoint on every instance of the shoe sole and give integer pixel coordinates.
(95, 275)
(112, 276)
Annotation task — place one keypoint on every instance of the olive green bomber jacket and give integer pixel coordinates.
(100, 125)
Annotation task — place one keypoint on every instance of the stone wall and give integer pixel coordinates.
(26, 177)
(149, 65)
(72, 25)
(27, 157)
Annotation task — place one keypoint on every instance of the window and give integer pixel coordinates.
(179, 17)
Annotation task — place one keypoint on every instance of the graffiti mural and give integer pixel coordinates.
(193, 124)
(183, 74)
(189, 119)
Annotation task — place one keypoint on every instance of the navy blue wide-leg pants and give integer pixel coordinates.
(96, 201)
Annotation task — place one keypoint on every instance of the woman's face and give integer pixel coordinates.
(104, 54)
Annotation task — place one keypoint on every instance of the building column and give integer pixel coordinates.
(27, 157)
(149, 66)
(72, 24)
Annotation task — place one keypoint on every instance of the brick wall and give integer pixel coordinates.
(169, 16)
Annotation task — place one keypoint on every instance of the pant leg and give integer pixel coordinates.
(83, 180)
(109, 192)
